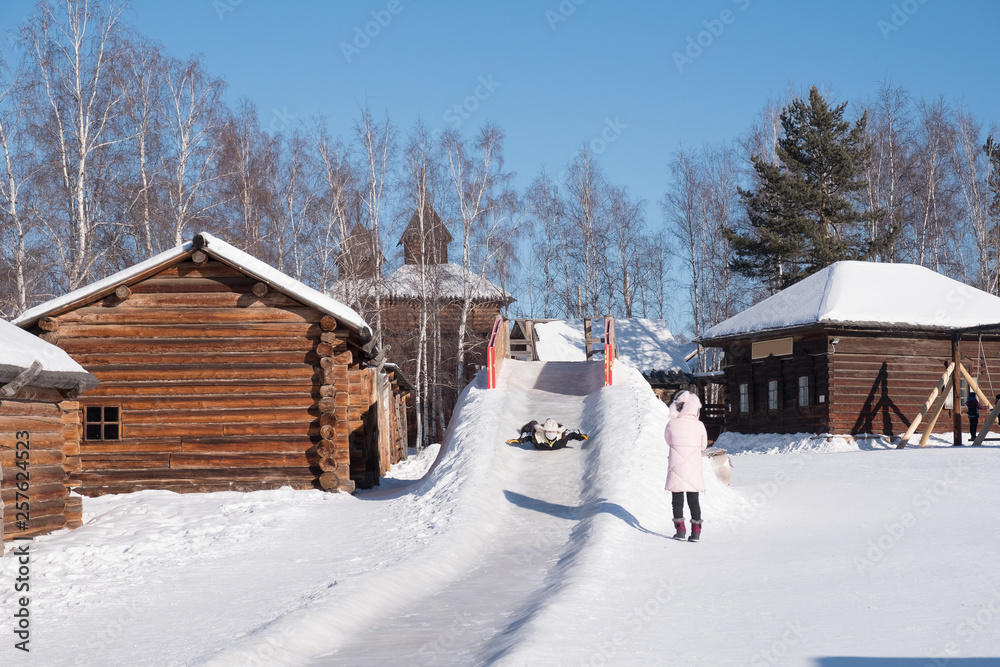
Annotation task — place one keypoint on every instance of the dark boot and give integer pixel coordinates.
(695, 531)
(681, 530)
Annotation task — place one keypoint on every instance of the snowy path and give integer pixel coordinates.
(825, 552)
(542, 493)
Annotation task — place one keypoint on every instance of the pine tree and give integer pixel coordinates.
(992, 150)
(803, 216)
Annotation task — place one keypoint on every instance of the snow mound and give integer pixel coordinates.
(738, 444)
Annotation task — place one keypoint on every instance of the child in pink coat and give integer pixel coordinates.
(687, 439)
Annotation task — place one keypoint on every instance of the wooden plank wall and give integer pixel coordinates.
(873, 382)
(219, 386)
(808, 358)
(881, 382)
(52, 429)
(400, 321)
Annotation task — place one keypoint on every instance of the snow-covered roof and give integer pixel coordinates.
(867, 294)
(646, 345)
(221, 251)
(447, 282)
(19, 350)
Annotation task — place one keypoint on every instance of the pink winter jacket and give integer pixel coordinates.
(687, 439)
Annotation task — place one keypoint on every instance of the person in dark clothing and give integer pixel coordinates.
(550, 435)
(972, 405)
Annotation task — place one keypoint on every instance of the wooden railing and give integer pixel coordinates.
(496, 351)
(610, 351)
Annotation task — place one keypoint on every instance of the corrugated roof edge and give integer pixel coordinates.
(222, 251)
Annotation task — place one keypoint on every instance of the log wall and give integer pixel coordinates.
(48, 429)
(222, 384)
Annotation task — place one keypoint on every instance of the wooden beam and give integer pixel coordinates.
(975, 386)
(48, 324)
(199, 257)
(956, 392)
(938, 388)
(935, 413)
(122, 292)
(986, 425)
(260, 290)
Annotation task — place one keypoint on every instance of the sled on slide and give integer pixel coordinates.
(549, 435)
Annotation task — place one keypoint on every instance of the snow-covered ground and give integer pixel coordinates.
(824, 551)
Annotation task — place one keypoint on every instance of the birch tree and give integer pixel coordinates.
(547, 211)
(586, 203)
(18, 170)
(485, 202)
(190, 148)
(971, 170)
(378, 146)
(70, 53)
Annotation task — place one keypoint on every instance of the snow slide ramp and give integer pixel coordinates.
(515, 538)
(521, 512)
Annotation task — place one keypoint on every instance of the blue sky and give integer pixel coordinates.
(557, 74)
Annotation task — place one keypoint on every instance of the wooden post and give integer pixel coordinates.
(986, 425)
(609, 349)
(956, 394)
(935, 413)
(938, 388)
(975, 386)
(496, 351)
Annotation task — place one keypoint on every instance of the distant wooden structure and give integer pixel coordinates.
(815, 374)
(220, 373)
(665, 381)
(425, 254)
(39, 435)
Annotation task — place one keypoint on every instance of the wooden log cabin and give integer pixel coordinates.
(425, 262)
(39, 435)
(219, 372)
(855, 348)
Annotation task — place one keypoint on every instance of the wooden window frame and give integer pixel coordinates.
(110, 428)
(773, 397)
(744, 397)
(807, 393)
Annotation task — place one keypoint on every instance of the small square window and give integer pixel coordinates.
(102, 422)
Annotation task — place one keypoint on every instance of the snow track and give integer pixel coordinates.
(540, 503)
(512, 513)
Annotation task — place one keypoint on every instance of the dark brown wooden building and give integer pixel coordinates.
(425, 264)
(39, 435)
(855, 348)
(218, 372)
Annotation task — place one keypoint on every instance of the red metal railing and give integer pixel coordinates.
(496, 351)
(609, 349)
